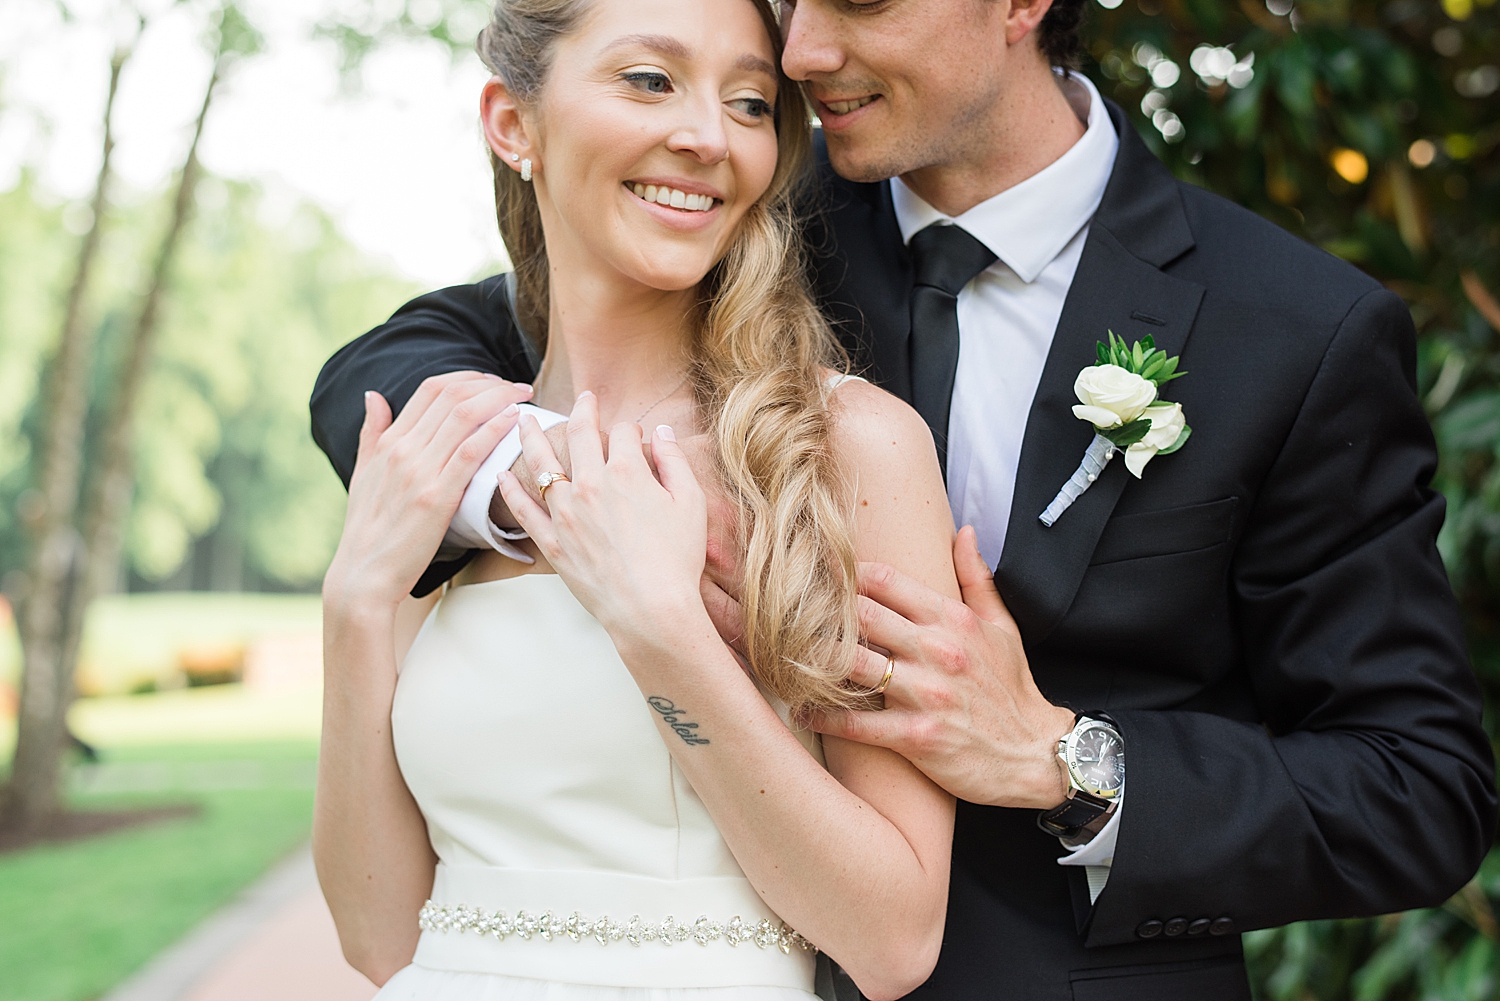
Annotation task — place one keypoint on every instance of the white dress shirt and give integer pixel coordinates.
(1006, 320)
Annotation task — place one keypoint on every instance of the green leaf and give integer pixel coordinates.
(1128, 434)
(1103, 353)
(1181, 441)
(1138, 356)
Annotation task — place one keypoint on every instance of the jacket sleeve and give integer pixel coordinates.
(1370, 787)
(466, 327)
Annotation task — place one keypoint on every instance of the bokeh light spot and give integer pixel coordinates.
(1421, 153)
(1350, 164)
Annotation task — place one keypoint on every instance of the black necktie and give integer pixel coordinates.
(946, 258)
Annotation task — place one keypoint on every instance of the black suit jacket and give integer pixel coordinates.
(1264, 614)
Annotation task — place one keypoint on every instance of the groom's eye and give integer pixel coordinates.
(651, 83)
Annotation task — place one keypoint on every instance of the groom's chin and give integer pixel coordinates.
(858, 161)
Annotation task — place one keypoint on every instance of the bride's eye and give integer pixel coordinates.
(753, 106)
(651, 83)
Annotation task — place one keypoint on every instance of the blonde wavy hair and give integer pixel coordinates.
(758, 357)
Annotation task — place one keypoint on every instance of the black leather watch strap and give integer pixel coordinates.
(1075, 813)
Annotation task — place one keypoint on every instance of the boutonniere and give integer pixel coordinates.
(1120, 395)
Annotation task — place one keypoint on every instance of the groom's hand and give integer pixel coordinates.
(961, 704)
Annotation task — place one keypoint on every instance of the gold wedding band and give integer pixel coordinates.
(890, 669)
(549, 479)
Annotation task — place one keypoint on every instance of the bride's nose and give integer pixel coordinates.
(701, 132)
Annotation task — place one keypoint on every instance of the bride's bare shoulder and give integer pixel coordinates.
(872, 428)
(900, 504)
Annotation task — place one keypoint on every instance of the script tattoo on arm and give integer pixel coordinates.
(672, 715)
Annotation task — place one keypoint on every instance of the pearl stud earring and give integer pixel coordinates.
(526, 170)
(514, 157)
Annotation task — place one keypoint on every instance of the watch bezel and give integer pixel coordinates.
(1068, 752)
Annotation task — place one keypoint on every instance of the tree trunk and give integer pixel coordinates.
(54, 570)
(109, 505)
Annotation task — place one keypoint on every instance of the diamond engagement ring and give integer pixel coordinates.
(548, 479)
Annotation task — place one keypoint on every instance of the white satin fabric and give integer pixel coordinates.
(546, 787)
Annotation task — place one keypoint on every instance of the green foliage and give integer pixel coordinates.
(1143, 358)
(358, 28)
(225, 464)
(1371, 129)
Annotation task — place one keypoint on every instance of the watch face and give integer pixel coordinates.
(1096, 758)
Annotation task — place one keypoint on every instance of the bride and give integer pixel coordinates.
(556, 780)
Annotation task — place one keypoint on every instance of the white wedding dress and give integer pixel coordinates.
(559, 819)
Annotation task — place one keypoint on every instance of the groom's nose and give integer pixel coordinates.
(813, 43)
(701, 132)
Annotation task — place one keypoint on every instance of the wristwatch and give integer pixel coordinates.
(1094, 755)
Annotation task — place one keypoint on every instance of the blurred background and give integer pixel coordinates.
(201, 200)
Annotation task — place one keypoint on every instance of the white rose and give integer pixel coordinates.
(1111, 396)
(1167, 424)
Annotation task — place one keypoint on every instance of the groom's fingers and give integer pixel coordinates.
(725, 613)
(977, 582)
(865, 726)
(904, 595)
(879, 626)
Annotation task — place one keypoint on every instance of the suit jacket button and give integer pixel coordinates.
(1149, 929)
(1198, 927)
(1175, 927)
(1221, 926)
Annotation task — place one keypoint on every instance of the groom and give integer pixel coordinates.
(1261, 619)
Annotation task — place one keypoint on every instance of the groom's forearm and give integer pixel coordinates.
(464, 328)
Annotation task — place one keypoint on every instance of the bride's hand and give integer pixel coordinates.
(628, 542)
(407, 483)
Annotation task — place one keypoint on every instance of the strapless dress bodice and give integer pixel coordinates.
(564, 830)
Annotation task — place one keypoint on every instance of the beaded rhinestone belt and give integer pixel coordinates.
(604, 930)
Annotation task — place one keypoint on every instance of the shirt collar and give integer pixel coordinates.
(1028, 225)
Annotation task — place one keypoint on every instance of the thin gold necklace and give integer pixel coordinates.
(671, 392)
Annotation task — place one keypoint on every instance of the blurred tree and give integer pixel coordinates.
(1369, 127)
(56, 563)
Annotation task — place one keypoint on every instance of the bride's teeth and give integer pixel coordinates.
(671, 196)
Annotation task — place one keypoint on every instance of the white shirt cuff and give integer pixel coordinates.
(1098, 854)
(471, 527)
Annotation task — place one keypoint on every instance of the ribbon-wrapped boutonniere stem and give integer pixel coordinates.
(1120, 395)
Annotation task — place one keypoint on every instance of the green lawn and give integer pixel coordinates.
(77, 918)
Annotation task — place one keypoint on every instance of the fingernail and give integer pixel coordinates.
(510, 411)
(665, 433)
(525, 387)
(584, 393)
(368, 393)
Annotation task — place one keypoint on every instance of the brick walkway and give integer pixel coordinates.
(276, 941)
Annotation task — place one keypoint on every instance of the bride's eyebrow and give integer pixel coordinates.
(664, 45)
(755, 64)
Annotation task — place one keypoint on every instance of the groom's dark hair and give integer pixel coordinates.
(1057, 36)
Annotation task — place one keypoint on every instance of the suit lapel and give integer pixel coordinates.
(1140, 226)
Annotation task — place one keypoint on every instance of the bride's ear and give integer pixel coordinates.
(505, 126)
